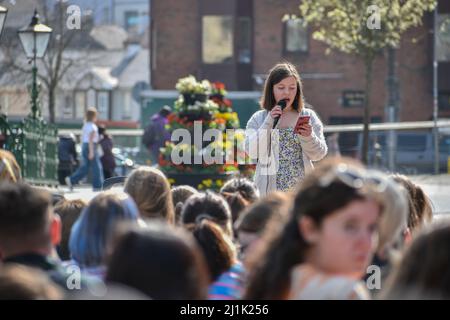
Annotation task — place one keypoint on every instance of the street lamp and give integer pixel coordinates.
(3, 12)
(34, 39)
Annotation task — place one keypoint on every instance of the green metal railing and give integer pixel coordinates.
(34, 143)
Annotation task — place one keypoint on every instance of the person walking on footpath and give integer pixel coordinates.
(89, 154)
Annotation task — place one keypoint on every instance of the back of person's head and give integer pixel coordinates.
(18, 282)
(236, 202)
(9, 168)
(161, 261)
(257, 215)
(95, 226)
(420, 209)
(330, 188)
(218, 249)
(165, 111)
(239, 193)
(25, 219)
(102, 129)
(179, 196)
(150, 189)
(208, 205)
(244, 186)
(91, 114)
(253, 221)
(69, 211)
(425, 267)
(394, 217)
(57, 198)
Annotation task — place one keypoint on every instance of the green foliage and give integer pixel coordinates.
(342, 24)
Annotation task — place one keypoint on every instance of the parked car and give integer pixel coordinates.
(123, 164)
(414, 152)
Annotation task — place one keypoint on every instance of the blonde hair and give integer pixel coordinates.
(420, 208)
(394, 218)
(9, 168)
(150, 189)
(91, 113)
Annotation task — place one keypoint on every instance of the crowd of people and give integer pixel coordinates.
(336, 231)
(154, 241)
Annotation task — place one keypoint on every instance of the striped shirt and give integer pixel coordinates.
(229, 285)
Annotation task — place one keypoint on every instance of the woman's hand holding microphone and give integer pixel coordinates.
(276, 112)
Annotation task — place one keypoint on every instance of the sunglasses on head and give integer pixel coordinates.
(354, 178)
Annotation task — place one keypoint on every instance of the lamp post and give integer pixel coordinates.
(3, 12)
(34, 39)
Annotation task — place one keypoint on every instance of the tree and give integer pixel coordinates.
(56, 63)
(363, 28)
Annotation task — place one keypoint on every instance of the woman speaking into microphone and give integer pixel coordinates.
(285, 137)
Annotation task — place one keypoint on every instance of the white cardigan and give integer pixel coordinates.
(314, 147)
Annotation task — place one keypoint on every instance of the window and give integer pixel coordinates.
(126, 114)
(414, 142)
(80, 104)
(443, 37)
(68, 109)
(4, 103)
(131, 21)
(244, 35)
(103, 105)
(444, 100)
(444, 144)
(295, 36)
(91, 98)
(217, 40)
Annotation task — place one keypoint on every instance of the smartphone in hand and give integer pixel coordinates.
(301, 121)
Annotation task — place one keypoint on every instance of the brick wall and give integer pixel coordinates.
(177, 26)
(178, 46)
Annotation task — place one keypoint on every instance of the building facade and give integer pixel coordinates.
(238, 41)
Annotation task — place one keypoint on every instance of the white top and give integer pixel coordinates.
(88, 127)
(308, 283)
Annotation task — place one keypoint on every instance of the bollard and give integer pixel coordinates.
(448, 164)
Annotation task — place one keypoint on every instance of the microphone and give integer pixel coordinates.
(282, 104)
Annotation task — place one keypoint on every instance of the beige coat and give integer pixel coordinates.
(258, 139)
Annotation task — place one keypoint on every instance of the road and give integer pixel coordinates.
(437, 187)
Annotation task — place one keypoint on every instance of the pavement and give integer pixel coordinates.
(437, 187)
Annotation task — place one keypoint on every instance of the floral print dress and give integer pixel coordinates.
(291, 168)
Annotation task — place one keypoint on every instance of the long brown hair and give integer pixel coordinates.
(270, 268)
(218, 249)
(150, 189)
(424, 268)
(420, 208)
(69, 211)
(279, 72)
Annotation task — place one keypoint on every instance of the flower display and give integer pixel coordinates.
(191, 86)
(210, 184)
(204, 102)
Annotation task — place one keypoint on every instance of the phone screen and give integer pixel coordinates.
(300, 121)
